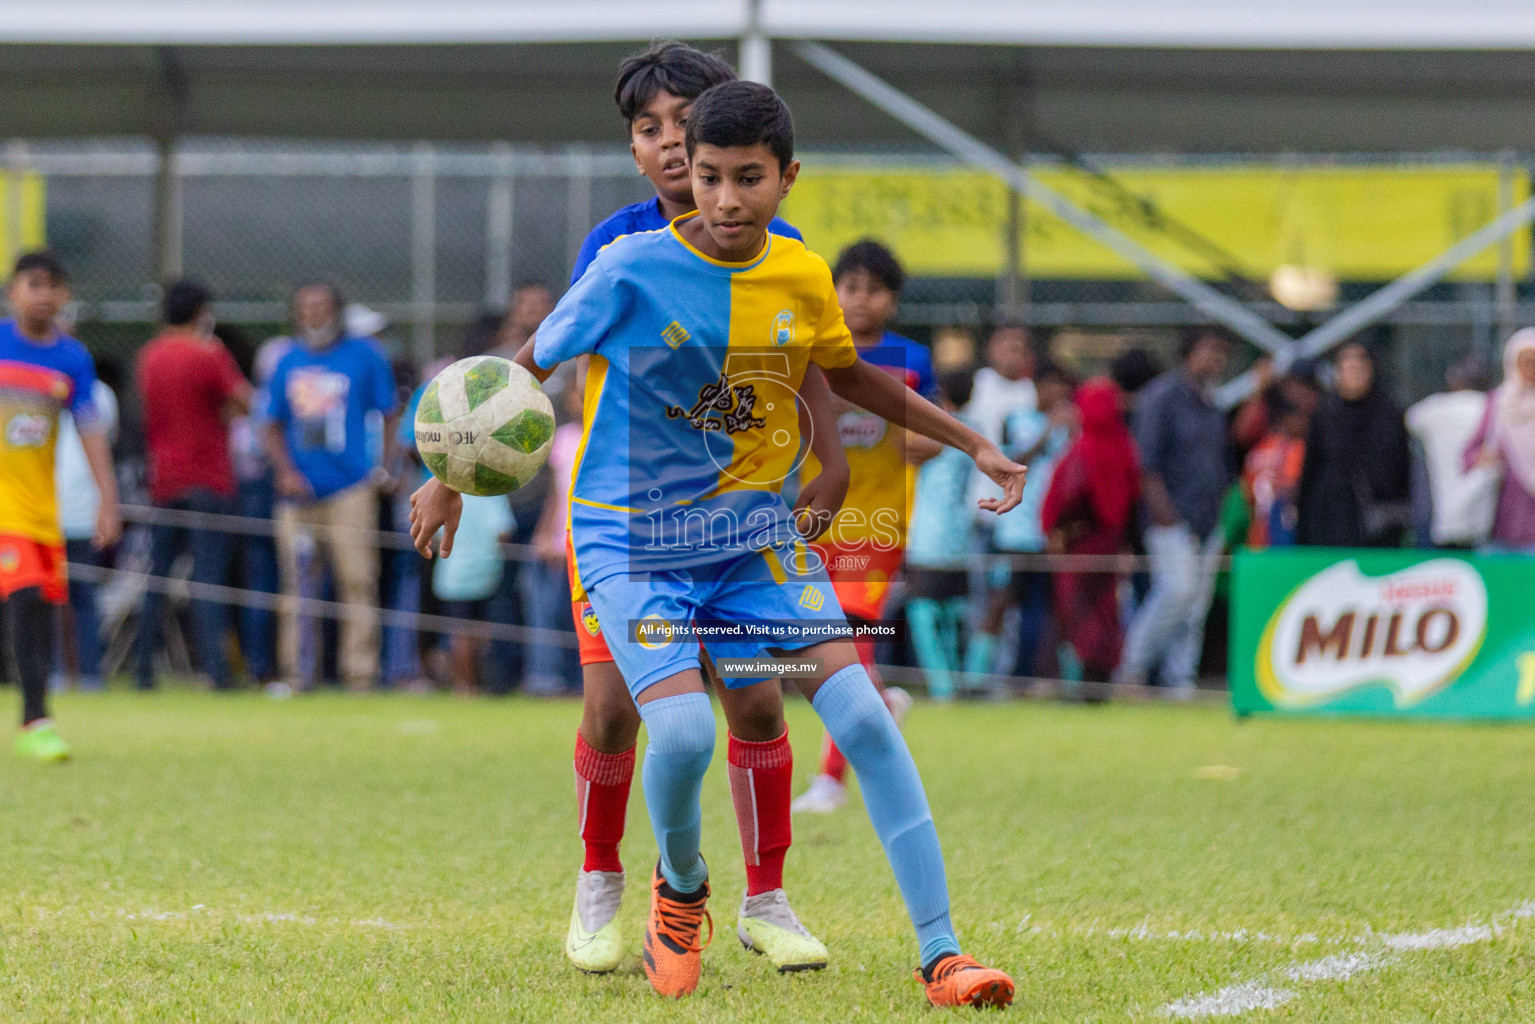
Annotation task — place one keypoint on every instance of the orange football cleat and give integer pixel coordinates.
(673, 955)
(959, 981)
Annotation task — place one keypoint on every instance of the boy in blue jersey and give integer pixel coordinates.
(44, 373)
(698, 336)
(654, 94)
(655, 91)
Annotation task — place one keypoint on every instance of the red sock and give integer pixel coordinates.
(833, 763)
(602, 801)
(761, 780)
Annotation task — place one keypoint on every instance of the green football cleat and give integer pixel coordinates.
(768, 925)
(40, 741)
(594, 943)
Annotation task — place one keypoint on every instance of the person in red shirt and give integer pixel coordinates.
(190, 387)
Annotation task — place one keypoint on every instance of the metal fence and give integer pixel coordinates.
(426, 234)
(430, 234)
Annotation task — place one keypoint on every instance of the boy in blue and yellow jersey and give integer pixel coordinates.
(655, 92)
(864, 548)
(43, 373)
(699, 336)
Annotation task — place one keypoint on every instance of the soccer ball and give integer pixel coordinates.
(484, 426)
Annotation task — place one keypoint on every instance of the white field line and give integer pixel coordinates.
(1258, 995)
(1229, 1002)
(265, 917)
(1145, 932)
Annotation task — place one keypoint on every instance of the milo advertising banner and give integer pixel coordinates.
(1330, 631)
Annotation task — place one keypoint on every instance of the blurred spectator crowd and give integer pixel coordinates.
(286, 468)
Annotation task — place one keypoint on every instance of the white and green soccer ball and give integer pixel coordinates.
(484, 426)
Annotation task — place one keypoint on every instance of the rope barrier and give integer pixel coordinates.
(256, 526)
(1040, 687)
(319, 608)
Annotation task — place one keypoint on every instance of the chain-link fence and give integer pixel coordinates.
(431, 234)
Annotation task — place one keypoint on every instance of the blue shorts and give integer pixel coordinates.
(785, 597)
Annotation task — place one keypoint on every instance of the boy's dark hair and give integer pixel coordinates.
(880, 262)
(957, 385)
(739, 113)
(480, 333)
(1281, 408)
(671, 67)
(1133, 369)
(40, 259)
(183, 302)
(1190, 337)
(1048, 368)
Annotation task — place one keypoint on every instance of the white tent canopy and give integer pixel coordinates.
(1091, 75)
(1326, 24)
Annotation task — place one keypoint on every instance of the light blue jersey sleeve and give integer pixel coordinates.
(581, 319)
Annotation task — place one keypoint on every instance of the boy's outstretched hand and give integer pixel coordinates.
(1003, 472)
(434, 506)
(820, 500)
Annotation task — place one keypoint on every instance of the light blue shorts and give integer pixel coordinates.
(775, 599)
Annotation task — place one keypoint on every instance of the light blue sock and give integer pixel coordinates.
(922, 616)
(681, 743)
(980, 655)
(858, 721)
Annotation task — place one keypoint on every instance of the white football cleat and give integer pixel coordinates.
(825, 795)
(594, 943)
(768, 925)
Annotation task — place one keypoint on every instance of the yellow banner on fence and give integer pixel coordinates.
(23, 215)
(1363, 223)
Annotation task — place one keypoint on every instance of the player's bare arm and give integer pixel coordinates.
(434, 506)
(919, 449)
(109, 517)
(883, 395)
(821, 498)
(524, 358)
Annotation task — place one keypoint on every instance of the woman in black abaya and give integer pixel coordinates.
(1354, 486)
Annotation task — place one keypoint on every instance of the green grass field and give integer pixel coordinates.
(217, 858)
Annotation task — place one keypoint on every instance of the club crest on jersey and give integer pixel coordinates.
(589, 620)
(675, 334)
(736, 406)
(653, 632)
(783, 327)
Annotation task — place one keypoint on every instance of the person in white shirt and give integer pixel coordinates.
(1463, 501)
(78, 501)
(1004, 389)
